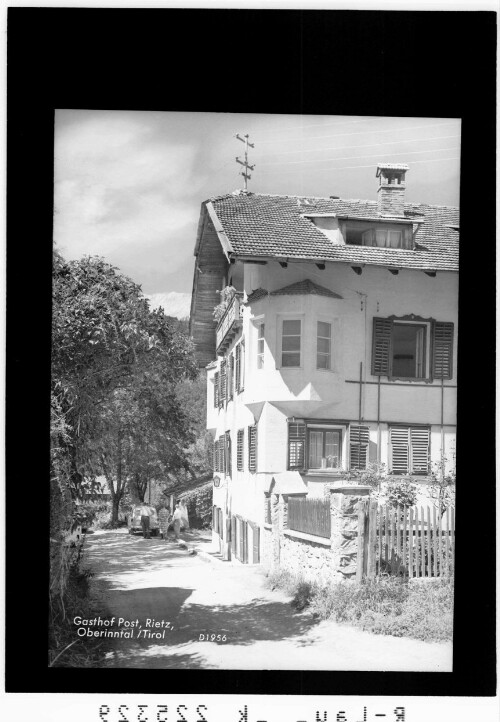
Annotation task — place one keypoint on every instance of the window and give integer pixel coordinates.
(315, 446)
(409, 449)
(364, 233)
(252, 448)
(239, 367)
(239, 449)
(401, 348)
(359, 440)
(260, 346)
(324, 345)
(324, 448)
(408, 350)
(290, 343)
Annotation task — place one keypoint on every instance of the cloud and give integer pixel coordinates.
(173, 303)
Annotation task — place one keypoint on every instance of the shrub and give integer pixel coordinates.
(401, 493)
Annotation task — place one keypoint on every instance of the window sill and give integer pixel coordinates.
(325, 472)
(268, 526)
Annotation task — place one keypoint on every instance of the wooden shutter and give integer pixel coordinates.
(296, 446)
(233, 534)
(252, 448)
(359, 440)
(228, 452)
(239, 449)
(215, 454)
(216, 389)
(419, 450)
(238, 370)
(442, 350)
(230, 378)
(381, 351)
(400, 452)
(223, 383)
(256, 545)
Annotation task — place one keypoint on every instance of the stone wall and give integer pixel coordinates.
(312, 557)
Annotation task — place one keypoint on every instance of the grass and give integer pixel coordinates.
(388, 605)
(66, 649)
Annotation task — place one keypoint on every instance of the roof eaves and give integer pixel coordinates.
(224, 240)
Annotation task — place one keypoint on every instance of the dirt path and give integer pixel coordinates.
(193, 595)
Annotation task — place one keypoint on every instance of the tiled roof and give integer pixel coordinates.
(257, 295)
(304, 287)
(275, 226)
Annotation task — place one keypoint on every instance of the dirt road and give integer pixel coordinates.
(157, 588)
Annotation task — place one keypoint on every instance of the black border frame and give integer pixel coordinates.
(418, 64)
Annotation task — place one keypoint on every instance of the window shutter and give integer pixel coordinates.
(237, 374)
(221, 454)
(230, 383)
(419, 446)
(252, 448)
(215, 456)
(256, 544)
(442, 350)
(358, 447)
(233, 534)
(399, 449)
(216, 389)
(296, 446)
(223, 382)
(228, 452)
(239, 449)
(381, 354)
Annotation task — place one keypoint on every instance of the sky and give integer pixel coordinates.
(129, 184)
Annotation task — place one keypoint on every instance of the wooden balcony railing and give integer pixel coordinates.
(229, 324)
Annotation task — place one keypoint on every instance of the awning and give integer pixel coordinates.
(287, 482)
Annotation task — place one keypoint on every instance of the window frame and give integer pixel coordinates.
(321, 353)
(438, 352)
(324, 430)
(261, 352)
(291, 317)
(301, 440)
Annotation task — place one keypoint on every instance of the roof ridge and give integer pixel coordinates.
(250, 194)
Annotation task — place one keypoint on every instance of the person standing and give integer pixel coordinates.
(145, 512)
(163, 521)
(177, 519)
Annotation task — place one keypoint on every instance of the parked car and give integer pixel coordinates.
(134, 520)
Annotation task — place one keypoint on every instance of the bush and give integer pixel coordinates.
(401, 493)
(387, 605)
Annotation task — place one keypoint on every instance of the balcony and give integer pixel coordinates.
(229, 324)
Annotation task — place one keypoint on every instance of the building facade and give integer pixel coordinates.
(335, 346)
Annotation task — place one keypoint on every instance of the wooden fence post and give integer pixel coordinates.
(372, 540)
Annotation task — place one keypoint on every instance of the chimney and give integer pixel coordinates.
(391, 190)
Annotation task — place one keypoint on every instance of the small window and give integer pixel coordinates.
(324, 344)
(290, 343)
(260, 346)
(324, 446)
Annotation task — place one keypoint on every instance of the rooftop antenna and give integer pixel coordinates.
(245, 163)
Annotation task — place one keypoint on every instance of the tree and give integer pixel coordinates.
(115, 365)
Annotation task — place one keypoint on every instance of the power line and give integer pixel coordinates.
(316, 125)
(366, 145)
(355, 157)
(350, 167)
(363, 132)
